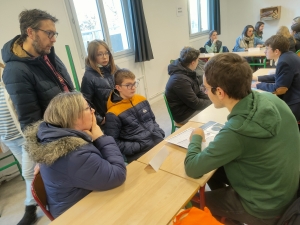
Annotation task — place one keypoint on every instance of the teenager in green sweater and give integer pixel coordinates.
(257, 152)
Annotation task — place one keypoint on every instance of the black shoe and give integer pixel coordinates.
(29, 217)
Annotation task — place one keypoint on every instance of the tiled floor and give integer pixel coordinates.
(12, 193)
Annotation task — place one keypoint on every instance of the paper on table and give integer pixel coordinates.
(253, 49)
(159, 158)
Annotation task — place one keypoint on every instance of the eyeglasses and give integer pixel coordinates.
(130, 86)
(50, 34)
(204, 89)
(101, 55)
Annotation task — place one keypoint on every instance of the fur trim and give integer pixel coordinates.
(48, 153)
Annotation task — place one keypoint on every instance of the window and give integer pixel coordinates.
(108, 20)
(198, 17)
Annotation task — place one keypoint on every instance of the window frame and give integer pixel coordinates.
(102, 16)
(200, 33)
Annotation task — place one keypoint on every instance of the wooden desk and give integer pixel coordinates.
(174, 163)
(146, 197)
(260, 53)
(211, 114)
(262, 72)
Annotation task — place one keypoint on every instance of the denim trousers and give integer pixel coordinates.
(17, 148)
(223, 201)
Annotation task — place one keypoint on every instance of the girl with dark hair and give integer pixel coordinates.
(258, 31)
(183, 92)
(247, 40)
(98, 80)
(213, 45)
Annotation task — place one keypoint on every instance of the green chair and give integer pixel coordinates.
(253, 63)
(15, 162)
(174, 124)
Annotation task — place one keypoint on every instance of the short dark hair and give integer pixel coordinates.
(230, 72)
(278, 42)
(122, 74)
(296, 27)
(32, 18)
(246, 29)
(188, 55)
(297, 19)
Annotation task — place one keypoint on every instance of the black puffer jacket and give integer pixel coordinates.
(97, 89)
(183, 92)
(297, 38)
(30, 83)
(132, 124)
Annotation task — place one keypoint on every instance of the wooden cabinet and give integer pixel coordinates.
(270, 13)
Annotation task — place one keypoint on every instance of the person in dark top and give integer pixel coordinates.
(296, 33)
(33, 75)
(98, 79)
(183, 91)
(213, 45)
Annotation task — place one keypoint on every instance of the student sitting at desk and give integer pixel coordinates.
(257, 173)
(247, 40)
(286, 81)
(183, 91)
(258, 31)
(213, 45)
(75, 157)
(129, 118)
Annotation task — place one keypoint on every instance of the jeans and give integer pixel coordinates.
(223, 201)
(17, 148)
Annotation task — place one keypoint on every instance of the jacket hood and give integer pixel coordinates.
(46, 143)
(12, 51)
(116, 99)
(177, 68)
(255, 116)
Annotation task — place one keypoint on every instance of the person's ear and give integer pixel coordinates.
(118, 87)
(220, 93)
(30, 32)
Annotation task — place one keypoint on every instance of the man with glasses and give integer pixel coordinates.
(256, 153)
(130, 120)
(33, 76)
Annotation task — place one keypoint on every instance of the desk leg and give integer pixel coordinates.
(202, 197)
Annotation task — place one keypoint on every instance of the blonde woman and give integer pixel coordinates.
(283, 30)
(75, 157)
(98, 80)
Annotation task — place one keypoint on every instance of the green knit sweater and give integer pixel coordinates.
(259, 148)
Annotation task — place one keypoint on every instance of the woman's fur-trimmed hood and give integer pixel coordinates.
(45, 143)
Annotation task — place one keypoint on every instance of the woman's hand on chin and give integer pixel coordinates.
(95, 130)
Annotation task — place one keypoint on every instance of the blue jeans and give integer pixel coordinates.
(16, 147)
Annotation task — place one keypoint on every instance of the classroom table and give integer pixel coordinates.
(260, 53)
(174, 163)
(262, 72)
(210, 113)
(146, 197)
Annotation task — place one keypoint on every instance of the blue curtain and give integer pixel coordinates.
(143, 50)
(215, 16)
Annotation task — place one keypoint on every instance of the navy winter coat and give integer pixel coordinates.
(183, 92)
(30, 83)
(72, 165)
(132, 124)
(97, 89)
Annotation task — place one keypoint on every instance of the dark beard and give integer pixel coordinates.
(37, 47)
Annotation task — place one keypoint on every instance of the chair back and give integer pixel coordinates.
(39, 194)
(174, 126)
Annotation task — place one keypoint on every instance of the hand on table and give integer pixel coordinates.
(95, 130)
(198, 131)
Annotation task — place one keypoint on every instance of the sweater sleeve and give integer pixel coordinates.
(219, 152)
(283, 79)
(210, 49)
(113, 127)
(97, 173)
(23, 96)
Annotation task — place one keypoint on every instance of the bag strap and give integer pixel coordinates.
(180, 215)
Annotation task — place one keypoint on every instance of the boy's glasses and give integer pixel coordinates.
(130, 86)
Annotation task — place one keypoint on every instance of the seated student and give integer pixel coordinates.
(257, 173)
(213, 45)
(296, 33)
(129, 118)
(247, 40)
(75, 157)
(258, 31)
(183, 90)
(283, 30)
(286, 81)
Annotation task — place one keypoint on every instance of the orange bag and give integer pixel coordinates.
(195, 216)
